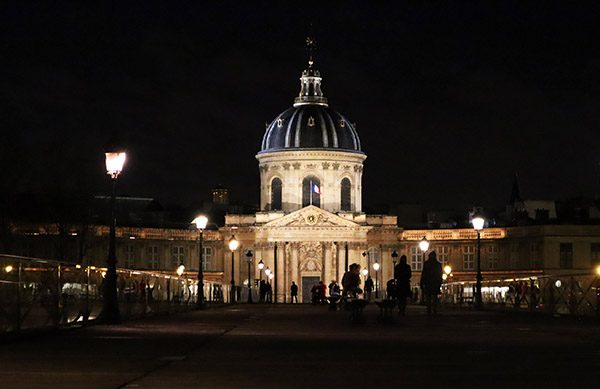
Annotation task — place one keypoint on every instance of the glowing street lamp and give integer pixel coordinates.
(115, 160)
(478, 223)
(180, 270)
(233, 245)
(268, 272)
(249, 259)
(365, 271)
(376, 268)
(261, 265)
(424, 246)
(201, 222)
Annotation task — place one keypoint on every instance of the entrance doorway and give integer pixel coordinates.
(307, 284)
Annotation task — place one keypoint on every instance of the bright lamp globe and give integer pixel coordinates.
(376, 266)
(201, 222)
(478, 222)
(233, 244)
(424, 244)
(114, 163)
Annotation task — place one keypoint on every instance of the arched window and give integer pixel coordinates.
(346, 202)
(308, 193)
(373, 255)
(276, 194)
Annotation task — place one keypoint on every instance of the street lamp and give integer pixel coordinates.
(365, 271)
(180, 270)
(201, 222)
(249, 259)
(478, 222)
(233, 245)
(424, 246)
(447, 271)
(394, 257)
(268, 272)
(261, 265)
(115, 159)
(376, 268)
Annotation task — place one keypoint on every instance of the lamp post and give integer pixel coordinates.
(268, 272)
(261, 265)
(376, 268)
(478, 222)
(115, 159)
(233, 245)
(424, 246)
(249, 259)
(394, 258)
(200, 222)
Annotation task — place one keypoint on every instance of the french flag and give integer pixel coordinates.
(316, 189)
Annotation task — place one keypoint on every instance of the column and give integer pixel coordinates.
(326, 258)
(294, 268)
(280, 281)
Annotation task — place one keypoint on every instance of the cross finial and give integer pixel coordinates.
(311, 45)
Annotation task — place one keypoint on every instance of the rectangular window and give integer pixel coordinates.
(493, 257)
(469, 258)
(129, 256)
(533, 255)
(416, 259)
(566, 255)
(514, 255)
(177, 255)
(595, 254)
(443, 254)
(206, 258)
(153, 259)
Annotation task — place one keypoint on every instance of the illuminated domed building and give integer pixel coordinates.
(311, 226)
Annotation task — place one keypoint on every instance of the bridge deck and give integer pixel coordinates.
(287, 346)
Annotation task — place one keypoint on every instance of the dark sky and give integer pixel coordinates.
(450, 98)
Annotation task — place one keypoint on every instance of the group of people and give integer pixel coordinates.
(265, 291)
(398, 288)
(431, 283)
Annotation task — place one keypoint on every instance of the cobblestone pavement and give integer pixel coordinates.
(303, 346)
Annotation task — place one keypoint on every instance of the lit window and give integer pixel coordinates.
(469, 258)
(416, 258)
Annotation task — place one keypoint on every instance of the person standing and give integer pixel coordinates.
(369, 288)
(431, 282)
(351, 281)
(294, 292)
(402, 275)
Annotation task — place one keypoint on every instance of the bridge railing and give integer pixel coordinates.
(570, 294)
(37, 293)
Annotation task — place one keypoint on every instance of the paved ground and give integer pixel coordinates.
(298, 346)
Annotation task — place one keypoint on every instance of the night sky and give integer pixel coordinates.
(449, 98)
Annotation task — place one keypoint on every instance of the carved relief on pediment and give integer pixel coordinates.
(311, 265)
(310, 250)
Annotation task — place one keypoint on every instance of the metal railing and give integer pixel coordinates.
(37, 293)
(570, 294)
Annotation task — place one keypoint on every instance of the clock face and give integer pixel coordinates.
(311, 219)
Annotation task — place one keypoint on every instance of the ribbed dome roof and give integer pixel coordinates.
(310, 123)
(310, 126)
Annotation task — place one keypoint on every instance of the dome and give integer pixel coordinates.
(310, 123)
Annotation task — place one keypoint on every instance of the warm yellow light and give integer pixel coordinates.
(180, 270)
(261, 265)
(271, 276)
(267, 271)
(598, 270)
(78, 266)
(365, 271)
(103, 274)
(8, 269)
(201, 222)
(424, 244)
(233, 243)
(444, 277)
(478, 223)
(114, 163)
(376, 266)
(447, 269)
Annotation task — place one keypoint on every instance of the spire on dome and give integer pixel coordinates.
(310, 82)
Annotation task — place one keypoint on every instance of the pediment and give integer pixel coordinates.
(311, 216)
